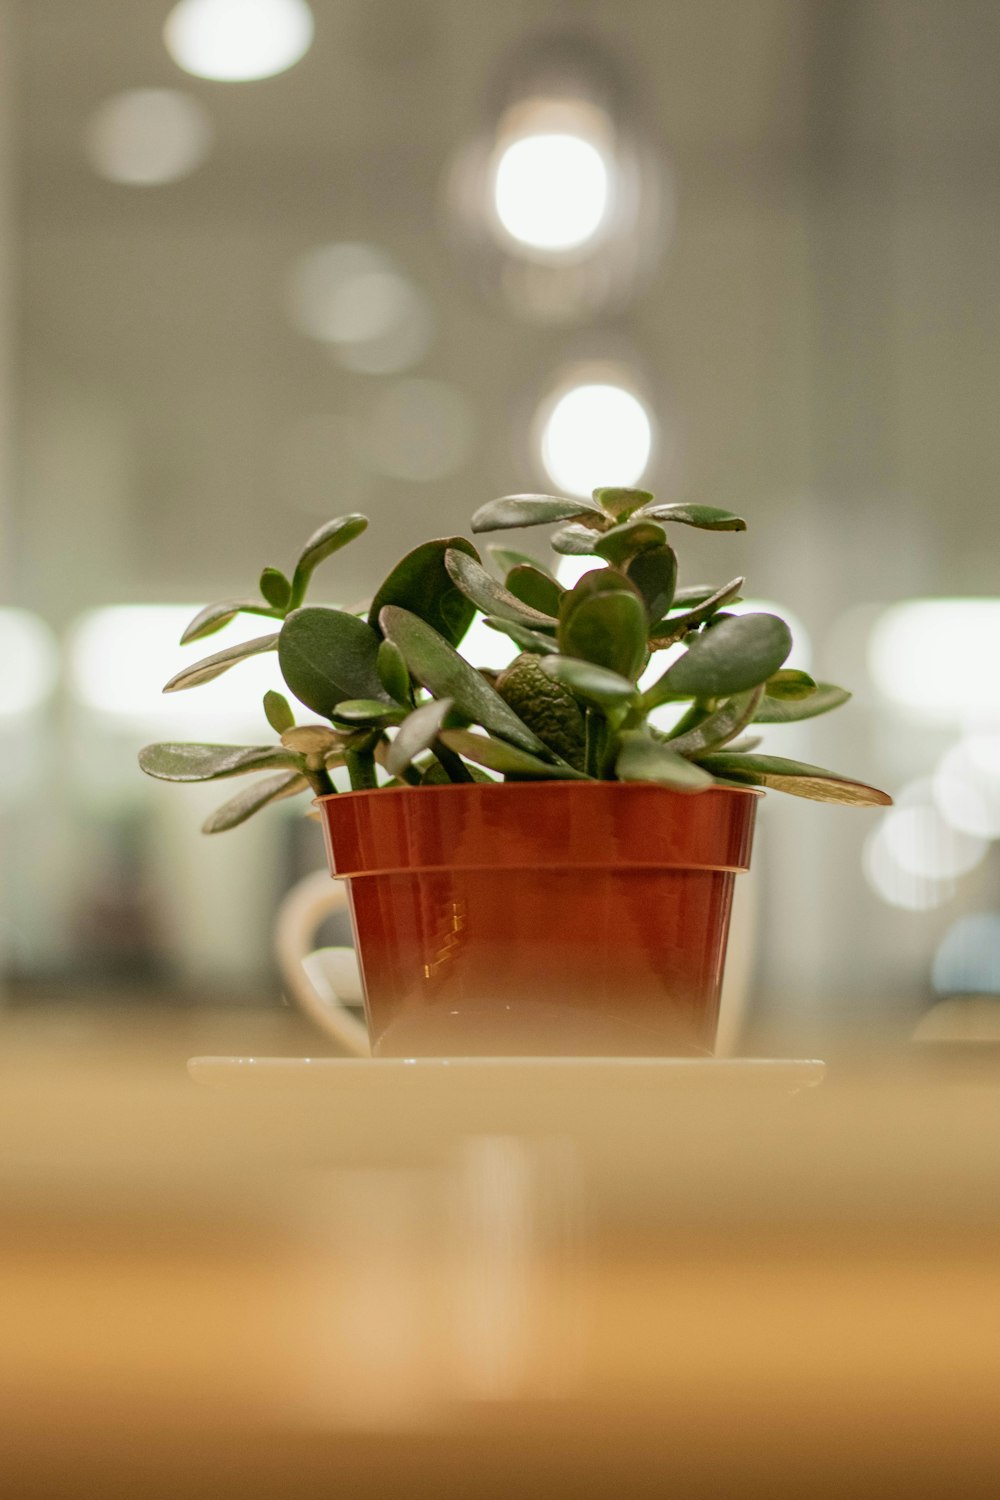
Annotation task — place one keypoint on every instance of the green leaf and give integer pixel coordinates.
(327, 655)
(628, 539)
(417, 733)
(252, 799)
(641, 758)
(675, 627)
(491, 597)
(621, 502)
(528, 640)
(498, 755)
(214, 666)
(530, 510)
(314, 741)
(705, 517)
(328, 539)
(654, 574)
(596, 685)
(574, 541)
(507, 558)
(535, 587)
(392, 673)
(728, 658)
(439, 668)
(367, 711)
(278, 712)
(212, 618)
(792, 711)
(795, 777)
(697, 593)
(421, 584)
(712, 732)
(187, 762)
(609, 629)
(791, 683)
(276, 588)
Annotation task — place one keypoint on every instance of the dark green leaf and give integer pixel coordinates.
(675, 627)
(628, 539)
(792, 711)
(252, 799)
(328, 539)
(327, 655)
(507, 558)
(440, 669)
(530, 510)
(186, 762)
(642, 758)
(608, 629)
(436, 775)
(417, 733)
(740, 653)
(212, 618)
(621, 502)
(497, 755)
(654, 574)
(421, 584)
(575, 541)
(536, 588)
(696, 593)
(367, 711)
(596, 685)
(276, 588)
(795, 777)
(214, 666)
(706, 517)
(491, 597)
(528, 640)
(278, 712)
(790, 683)
(393, 674)
(716, 728)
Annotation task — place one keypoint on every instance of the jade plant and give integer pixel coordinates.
(395, 703)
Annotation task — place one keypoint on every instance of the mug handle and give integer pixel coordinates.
(306, 905)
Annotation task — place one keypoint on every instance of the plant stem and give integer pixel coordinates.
(361, 769)
(318, 778)
(595, 742)
(454, 766)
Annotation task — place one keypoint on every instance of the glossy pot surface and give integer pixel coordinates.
(540, 918)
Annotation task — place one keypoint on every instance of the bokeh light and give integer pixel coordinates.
(352, 297)
(595, 434)
(551, 190)
(147, 137)
(968, 958)
(936, 659)
(238, 40)
(30, 663)
(967, 787)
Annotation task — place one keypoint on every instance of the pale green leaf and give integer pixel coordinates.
(491, 597)
(211, 667)
(252, 799)
(796, 777)
(190, 762)
(531, 510)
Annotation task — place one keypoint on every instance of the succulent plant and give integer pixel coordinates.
(397, 704)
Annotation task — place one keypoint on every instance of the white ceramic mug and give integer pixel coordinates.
(321, 981)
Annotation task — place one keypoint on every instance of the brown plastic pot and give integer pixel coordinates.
(540, 918)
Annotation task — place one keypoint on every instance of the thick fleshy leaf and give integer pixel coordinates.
(327, 655)
(275, 588)
(628, 539)
(737, 654)
(392, 673)
(654, 574)
(417, 733)
(574, 541)
(675, 627)
(717, 728)
(252, 799)
(790, 682)
(506, 558)
(822, 700)
(528, 640)
(439, 668)
(596, 685)
(186, 762)
(212, 618)
(705, 517)
(421, 584)
(328, 539)
(211, 667)
(368, 711)
(530, 510)
(536, 588)
(609, 629)
(278, 712)
(314, 740)
(695, 593)
(641, 758)
(498, 755)
(794, 776)
(619, 502)
(482, 589)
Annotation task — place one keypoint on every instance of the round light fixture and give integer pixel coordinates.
(552, 191)
(595, 434)
(238, 40)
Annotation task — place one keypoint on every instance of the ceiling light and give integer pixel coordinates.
(238, 40)
(146, 137)
(595, 434)
(552, 191)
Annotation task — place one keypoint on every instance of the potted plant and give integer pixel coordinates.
(540, 860)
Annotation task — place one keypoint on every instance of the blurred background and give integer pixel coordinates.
(263, 262)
